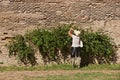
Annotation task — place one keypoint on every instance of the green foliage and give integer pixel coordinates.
(19, 48)
(97, 45)
(62, 40)
(50, 42)
(54, 45)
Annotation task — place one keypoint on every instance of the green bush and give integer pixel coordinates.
(24, 52)
(54, 45)
(99, 46)
(50, 42)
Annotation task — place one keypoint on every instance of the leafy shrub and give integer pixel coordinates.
(97, 45)
(50, 42)
(19, 48)
(54, 45)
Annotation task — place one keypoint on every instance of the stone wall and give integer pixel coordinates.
(63, 0)
(18, 16)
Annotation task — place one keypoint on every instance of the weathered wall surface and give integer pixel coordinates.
(16, 17)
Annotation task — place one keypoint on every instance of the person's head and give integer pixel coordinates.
(76, 32)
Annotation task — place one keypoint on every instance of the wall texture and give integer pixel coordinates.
(18, 16)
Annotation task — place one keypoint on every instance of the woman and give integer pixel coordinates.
(75, 48)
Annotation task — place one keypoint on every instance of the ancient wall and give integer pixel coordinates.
(18, 16)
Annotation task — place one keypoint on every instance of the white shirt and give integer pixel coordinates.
(75, 41)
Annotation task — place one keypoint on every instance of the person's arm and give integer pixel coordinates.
(70, 32)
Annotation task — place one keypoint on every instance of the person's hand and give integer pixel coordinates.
(71, 29)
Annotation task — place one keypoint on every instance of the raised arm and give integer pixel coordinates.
(70, 32)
